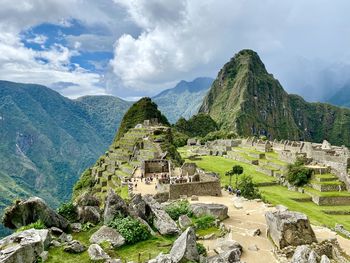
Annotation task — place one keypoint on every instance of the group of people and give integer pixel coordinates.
(234, 191)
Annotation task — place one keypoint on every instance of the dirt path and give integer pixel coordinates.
(243, 221)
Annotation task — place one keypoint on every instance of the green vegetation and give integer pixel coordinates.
(84, 182)
(131, 229)
(36, 225)
(247, 188)
(68, 211)
(236, 170)
(201, 249)
(176, 209)
(144, 109)
(197, 126)
(204, 222)
(298, 174)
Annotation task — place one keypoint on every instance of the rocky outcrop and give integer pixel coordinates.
(219, 211)
(161, 220)
(24, 247)
(96, 253)
(228, 251)
(88, 208)
(184, 221)
(185, 247)
(74, 247)
(114, 204)
(108, 234)
(23, 213)
(287, 228)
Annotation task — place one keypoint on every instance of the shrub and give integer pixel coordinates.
(131, 229)
(204, 222)
(68, 211)
(176, 209)
(248, 190)
(298, 175)
(36, 225)
(87, 226)
(201, 249)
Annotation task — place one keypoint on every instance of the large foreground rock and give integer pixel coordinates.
(108, 234)
(88, 209)
(96, 253)
(114, 204)
(31, 210)
(161, 220)
(287, 228)
(24, 247)
(185, 247)
(219, 211)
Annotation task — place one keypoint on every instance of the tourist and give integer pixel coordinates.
(230, 190)
(238, 193)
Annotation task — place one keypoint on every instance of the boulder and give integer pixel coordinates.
(325, 259)
(96, 253)
(287, 228)
(224, 245)
(74, 247)
(64, 238)
(185, 247)
(89, 214)
(24, 247)
(231, 256)
(76, 227)
(161, 220)
(44, 256)
(137, 207)
(219, 211)
(31, 210)
(184, 221)
(56, 231)
(87, 200)
(301, 254)
(312, 257)
(114, 204)
(161, 258)
(109, 234)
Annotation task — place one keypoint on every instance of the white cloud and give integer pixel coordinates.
(189, 38)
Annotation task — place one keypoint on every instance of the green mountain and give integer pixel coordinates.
(341, 97)
(184, 99)
(248, 100)
(144, 109)
(47, 140)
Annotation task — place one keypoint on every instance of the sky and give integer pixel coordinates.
(134, 48)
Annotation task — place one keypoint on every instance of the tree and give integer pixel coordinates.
(236, 170)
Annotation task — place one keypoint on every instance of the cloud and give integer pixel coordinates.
(298, 41)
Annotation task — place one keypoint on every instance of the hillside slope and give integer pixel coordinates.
(341, 97)
(47, 140)
(246, 99)
(184, 99)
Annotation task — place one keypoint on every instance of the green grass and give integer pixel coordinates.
(208, 231)
(326, 182)
(326, 176)
(280, 195)
(221, 165)
(327, 194)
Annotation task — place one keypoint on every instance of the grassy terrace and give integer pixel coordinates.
(278, 194)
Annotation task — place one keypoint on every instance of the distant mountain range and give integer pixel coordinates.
(248, 100)
(184, 99)
(341, 97)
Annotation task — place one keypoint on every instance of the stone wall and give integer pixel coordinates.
(198, 188)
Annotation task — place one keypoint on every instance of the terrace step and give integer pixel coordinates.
(327, 186)
(328, 198)
(325, 177)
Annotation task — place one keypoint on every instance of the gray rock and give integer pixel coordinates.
(74, 247)
(161, 220)
(209, 236)
(184, 221)
(109, 234)
(89, 214)
(217, 210)
(255, 232)
(114, 204)
(287, 228)
(325, 259)
(55, 243)
(87, 200)
(194, 198)
(231, 256)
(44, 256)
(281, 208)
(63, 238)
(76, 227)
(228, 245)
(162, 259)
(96, 253)
(185, 247)
(301, 254)
(56, 231)
(312, 257)
(113, 261)
(24, 247)
(31, 210)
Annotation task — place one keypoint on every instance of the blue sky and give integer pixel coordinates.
(133, 48)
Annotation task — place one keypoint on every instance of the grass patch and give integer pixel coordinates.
(208, 231)
(221, 165)
(327, 194)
